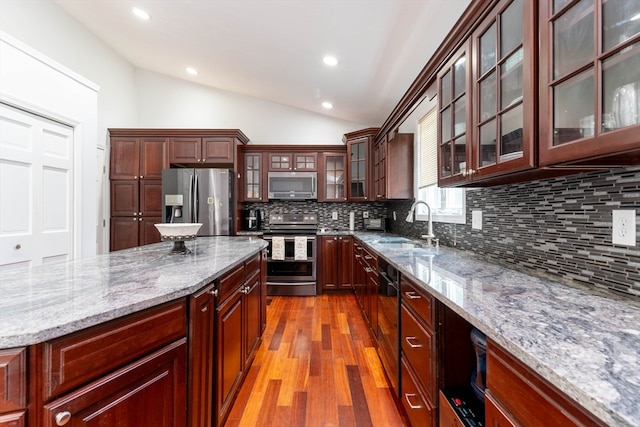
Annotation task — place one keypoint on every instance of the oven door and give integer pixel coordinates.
(291, 269)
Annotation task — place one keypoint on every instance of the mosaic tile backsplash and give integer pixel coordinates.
(560, 228)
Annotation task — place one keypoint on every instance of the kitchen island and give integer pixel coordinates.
(585, 345)
(88, 337)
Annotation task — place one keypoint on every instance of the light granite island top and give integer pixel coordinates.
(586, 345)
(42, 303)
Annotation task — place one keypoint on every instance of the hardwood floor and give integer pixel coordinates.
(316, 366)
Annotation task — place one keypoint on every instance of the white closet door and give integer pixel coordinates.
(36, 190)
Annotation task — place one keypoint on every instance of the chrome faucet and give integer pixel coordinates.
(411, 218)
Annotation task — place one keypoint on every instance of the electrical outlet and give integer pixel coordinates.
(365, 214)
(476, 220)
(623, 227)
(334, 215)
(394, 215)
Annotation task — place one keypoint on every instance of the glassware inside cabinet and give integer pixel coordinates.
(573, 44)
(572, 102)
(620, 22)
(621, 89)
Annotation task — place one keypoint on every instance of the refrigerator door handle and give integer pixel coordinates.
(196, 199)
(190, 198)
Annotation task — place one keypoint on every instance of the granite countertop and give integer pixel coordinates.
(586, 345)
(47, 302)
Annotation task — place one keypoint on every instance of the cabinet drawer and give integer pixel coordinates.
(252, 265)
(418, 408)
(423, 304)
(80, 357)
(13, 379)
(230, 282)
(150, 391)
(528, 397)
(14, 419)
(418, 345)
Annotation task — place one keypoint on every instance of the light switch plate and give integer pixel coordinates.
(476, 220)
(623, 230)
(334, 215)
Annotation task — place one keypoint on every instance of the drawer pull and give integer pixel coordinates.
(63, 418)
(368, 257)
(409, 339)
(407, 397)
(412, 295)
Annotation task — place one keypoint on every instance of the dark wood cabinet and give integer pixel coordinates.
(365, 285)
(210, 150)
(359, 145)
(137, 157)
(332, 177)
(150, 391)
(519, 396)
(13, 387)
(418, 353)
(238, 326)
(136, 187)
(253, 179)
(304, 161)
(229, 369)
(201, 357)
(393, 167)
(336, 262)
(131, 369)
(589, 83)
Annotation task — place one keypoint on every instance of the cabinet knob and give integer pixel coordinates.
(141, 176)
(135, 177)
(139, 219)
(140, 213)
(135, 219)
(214, 292)
(135, 214)
(63, 418)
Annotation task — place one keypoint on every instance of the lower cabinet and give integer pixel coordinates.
(13, 387)
(336, 262)
(238, 328)
(418, 408)
(150, 391)
(519, 396)
(129, 232)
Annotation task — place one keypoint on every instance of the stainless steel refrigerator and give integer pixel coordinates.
(199, 195)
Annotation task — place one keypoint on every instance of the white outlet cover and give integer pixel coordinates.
(623, 230)
(334, 215)
(476, 220)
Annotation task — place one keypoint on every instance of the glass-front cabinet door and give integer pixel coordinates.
(333, 177)
(590, 80)
(358, 167)
(453, 96)
(252, 177)
(503, 111)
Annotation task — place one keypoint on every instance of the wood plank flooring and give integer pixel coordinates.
(316, 366)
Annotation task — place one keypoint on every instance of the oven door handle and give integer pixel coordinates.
(289, 238)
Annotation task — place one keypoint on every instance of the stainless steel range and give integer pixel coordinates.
(291, 255)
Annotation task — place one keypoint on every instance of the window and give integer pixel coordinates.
(447, 204)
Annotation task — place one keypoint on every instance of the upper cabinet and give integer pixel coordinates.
(358, 158)
(589, 82)
(137, 157)
(253, 179)
(293, 162)
(393, 167)
(208, 150)
(332, 177)
(487, 99)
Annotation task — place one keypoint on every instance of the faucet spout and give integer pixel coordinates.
(411, 218)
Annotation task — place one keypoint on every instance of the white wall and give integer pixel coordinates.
(137, 98)
(169, 102)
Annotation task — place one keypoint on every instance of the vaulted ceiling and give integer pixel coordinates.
(273, 49)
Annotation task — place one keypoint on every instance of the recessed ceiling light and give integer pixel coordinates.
(192, 71)
(141, 14)
(330, 60)
(327, 105)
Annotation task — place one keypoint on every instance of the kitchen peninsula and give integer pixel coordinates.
(76, 337)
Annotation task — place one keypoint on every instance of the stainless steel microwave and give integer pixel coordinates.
(293, 185)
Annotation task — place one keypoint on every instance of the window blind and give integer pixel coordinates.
(428, 129)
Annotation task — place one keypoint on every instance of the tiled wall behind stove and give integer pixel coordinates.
(324, 210)
(560, 227)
